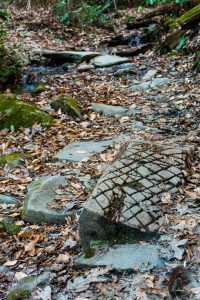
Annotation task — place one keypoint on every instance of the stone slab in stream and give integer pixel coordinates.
(41, 193)
(125, 257)
(67, 56)
(108, 60)
(129, 191)
(77, 151)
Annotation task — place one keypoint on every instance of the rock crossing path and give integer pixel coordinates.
(132, 187)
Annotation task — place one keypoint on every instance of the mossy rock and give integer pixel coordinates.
(12, 160)
(190, 16)
(17, 294)
(20, 114)
(67, 105)
(24, 287)
(39, 88)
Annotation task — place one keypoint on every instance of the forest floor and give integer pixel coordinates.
(174, 111)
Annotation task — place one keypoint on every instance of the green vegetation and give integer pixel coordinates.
(11, 228)
(12, 159)
(17, 294)
(188, 16)
(39, 88)
(20, 114)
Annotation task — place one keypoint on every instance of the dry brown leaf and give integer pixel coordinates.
(63, 258)
(10, 263)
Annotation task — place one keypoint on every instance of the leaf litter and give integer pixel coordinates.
(175, 111)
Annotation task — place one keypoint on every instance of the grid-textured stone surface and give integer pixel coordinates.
(131, 188)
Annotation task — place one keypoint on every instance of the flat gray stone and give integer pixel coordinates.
(125, 257)
(122, 72)
(26, 285)
(108, 60)
(159, 81)
(40, 194)
(77, 151)
(67, 56)
(140, 126)
(141, 86)
(109, 109)
(149, 84)
(151, 73)
(8, 200)
(130, 189)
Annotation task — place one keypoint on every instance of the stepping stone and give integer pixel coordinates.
(141, 86)
(149, 84)
(67, 56)
(25, 286)
(130, 189)
(108, 60)
(77, 151)
(41, 193)
(125, 257)
(109, 109)
(137, 125)
(149, 74)
(159, 81)
(8, 200)
(113, 110)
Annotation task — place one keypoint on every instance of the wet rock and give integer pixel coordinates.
(129, 191)
(125, 257)
(41, 193)
(151, 73)
(67, 56)
(77, 151)
(67, 105)
(8, 200)
(25, 286)
(108, 60)
(20, 114)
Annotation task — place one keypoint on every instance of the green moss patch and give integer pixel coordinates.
(67, 105)
(9, 227)
(189, 16)
(39, 88)
(20, 114)
(12, 159)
